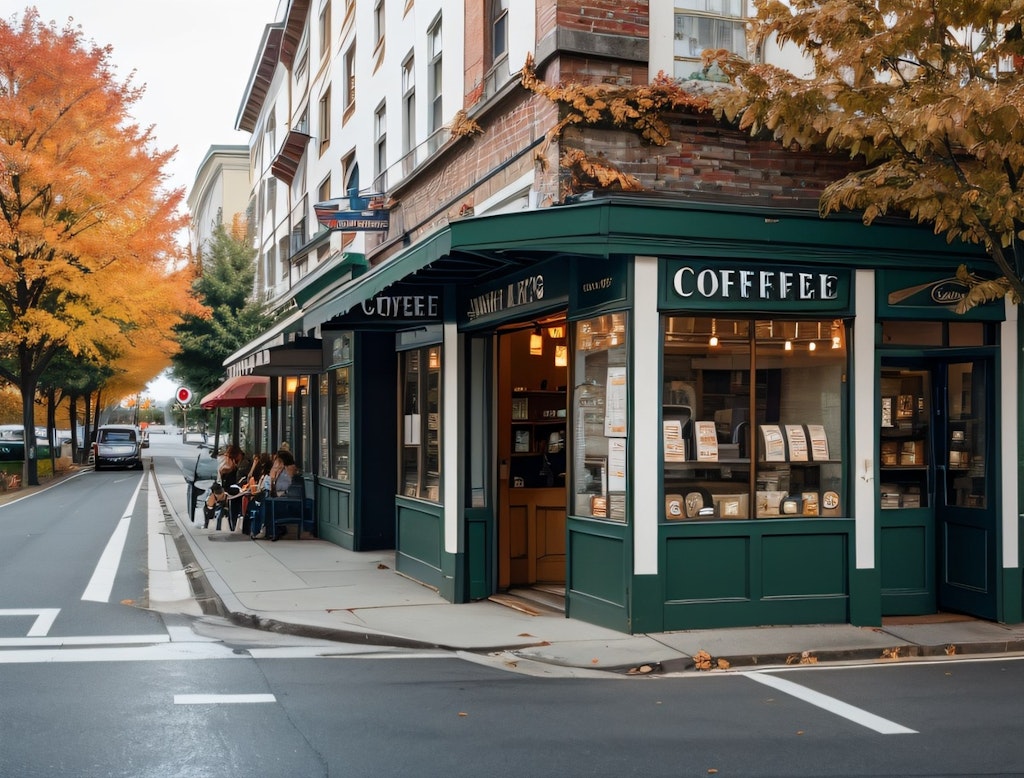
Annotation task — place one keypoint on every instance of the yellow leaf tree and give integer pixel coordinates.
(88, 245)
(929, 95)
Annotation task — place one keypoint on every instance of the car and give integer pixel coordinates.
(117, 445)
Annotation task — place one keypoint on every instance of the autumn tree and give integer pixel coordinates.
(225, 288)
(87, 228)
(928, 95)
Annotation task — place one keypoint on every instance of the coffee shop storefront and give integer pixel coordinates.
(676, 415)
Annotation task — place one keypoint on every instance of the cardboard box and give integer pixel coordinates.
(731, 506)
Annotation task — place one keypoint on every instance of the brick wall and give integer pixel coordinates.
(710, 162)
(606, 17)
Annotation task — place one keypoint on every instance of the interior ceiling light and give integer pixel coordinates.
(536, 343)
(713, 340)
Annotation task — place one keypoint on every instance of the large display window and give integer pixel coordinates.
(600, 429)
(420, 459)
(752, 418)
(336, 411)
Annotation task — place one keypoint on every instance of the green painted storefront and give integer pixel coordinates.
(646, 573)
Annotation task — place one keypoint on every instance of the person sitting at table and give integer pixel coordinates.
(215, 506)
(275, 484)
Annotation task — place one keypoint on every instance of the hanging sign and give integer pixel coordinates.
(354, 214)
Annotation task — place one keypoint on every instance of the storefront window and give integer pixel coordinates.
(421, 423)
(600, 402)
(336, 409)
(752, 418)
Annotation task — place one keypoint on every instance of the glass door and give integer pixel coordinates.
(905, 491)
(965, 465)
(937, 518)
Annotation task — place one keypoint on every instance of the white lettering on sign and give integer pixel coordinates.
(595, 286)
(732, 284)
(406, 306)
(522, 292)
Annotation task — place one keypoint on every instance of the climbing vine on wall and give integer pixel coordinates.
(637, 108)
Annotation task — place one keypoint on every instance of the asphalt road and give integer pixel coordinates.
(94, 684)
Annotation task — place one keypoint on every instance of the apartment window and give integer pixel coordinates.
(325, 29)
(380, 144)
(378, 22)
(498, 19)
(408, 106)
(325, 120)
(323, 191)
(271, 194)
(434, 51)
(351, 176)
(707, 24)
(350, 79)
(270, 133)
(302, 69)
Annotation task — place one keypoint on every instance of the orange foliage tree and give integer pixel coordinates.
(89, 258)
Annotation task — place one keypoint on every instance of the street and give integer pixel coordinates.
(96, 684)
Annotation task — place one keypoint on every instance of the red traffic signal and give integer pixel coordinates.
(183, 395)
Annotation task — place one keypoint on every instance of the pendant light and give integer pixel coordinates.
(536, 343)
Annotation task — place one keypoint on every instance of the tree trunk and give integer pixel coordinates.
(73, 421)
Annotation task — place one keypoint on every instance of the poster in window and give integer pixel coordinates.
(674, 445)
(797, 441)
(707, 441)
(819, 442)
(615, 403)
(774, 444)
(887, 403)
(617, 465)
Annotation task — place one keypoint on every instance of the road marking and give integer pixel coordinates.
(84, 640)
(102, 581)
(832, 705)
(221, 699)
(44, 619)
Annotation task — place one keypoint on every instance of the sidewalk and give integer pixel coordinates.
(317, 589)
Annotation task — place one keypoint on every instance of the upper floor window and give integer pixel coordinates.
(350, 78)
(380, 129)
(271, 134)
(378, 22)
(434, 51)
(325, 120)
(302, 69)
(408, 105)
(707, 24)
(498, 21)
(325, 29)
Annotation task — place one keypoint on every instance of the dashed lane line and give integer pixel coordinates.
(221, 699)
(832, 705)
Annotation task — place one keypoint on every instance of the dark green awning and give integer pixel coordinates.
(379, 278)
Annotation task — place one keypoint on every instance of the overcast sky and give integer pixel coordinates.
(193, 56)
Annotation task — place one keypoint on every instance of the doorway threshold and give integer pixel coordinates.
(927, 618)
(540, 600)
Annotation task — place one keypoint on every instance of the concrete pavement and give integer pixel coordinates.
(317, 589)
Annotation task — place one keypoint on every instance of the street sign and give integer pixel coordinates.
(183, 395)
